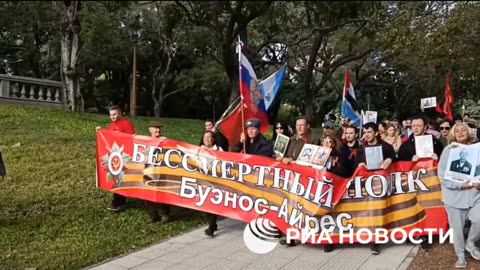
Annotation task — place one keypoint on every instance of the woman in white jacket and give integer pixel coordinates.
(209, 142)
(461, 200)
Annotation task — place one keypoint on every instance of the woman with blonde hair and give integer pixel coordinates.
(392, 137)
(461, 200)
(399, 128)
(382, 129)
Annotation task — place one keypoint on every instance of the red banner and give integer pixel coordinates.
(406, 196)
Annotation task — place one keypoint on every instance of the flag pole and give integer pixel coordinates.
(341, 106)
(239, 50)
(227, 112)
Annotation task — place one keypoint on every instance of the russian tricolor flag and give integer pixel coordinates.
(257, 98)
(252, 95)
(349, 102)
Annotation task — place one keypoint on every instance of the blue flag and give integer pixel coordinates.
(271, 86)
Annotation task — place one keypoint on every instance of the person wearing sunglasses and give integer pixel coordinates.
(445, 127)
(281, 127)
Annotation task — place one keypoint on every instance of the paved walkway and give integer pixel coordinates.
(194, 250)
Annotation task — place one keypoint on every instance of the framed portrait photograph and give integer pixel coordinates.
(307, 154)
(321, 156)
(476, 174)
(463, 161)
(370, 116)
(281, 144)
(430, 102)
(424, 146)
(374, 157)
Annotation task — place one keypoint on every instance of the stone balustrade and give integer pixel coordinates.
(30, 91)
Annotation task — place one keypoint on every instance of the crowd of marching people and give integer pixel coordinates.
(396, 139)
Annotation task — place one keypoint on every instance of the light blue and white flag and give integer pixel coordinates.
(271, 86)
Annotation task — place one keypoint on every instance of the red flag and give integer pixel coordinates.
(232, 126)
(445, 107)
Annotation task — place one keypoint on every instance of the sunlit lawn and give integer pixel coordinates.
(51, 214)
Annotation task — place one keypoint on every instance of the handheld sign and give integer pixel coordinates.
(463, 163)
(430, 102)
(424, 146)
(281, 144)
(307, 154)
(374, 157)
(370, 116)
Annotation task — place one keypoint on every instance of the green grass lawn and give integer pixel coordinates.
(51, 214)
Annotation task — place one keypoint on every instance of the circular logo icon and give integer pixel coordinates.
(115, 163)
(261, 235)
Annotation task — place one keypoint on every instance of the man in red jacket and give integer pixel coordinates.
(123, 125)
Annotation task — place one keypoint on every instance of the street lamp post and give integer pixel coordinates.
(133, 36)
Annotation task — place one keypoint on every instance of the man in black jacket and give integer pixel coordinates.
(220, 139)
(407, 152)
(349, 150)
(461, 165)
(255, 142)
(370, 131)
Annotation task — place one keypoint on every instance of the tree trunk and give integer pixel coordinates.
(157, 108)
(70, 49)
(309, 106)
(309, 81)
(159, 98)
(158, 101)
(232, 72)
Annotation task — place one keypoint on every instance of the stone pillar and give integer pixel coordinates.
(4, 88)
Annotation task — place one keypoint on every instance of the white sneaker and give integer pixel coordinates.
(474, 252)
(461, 263)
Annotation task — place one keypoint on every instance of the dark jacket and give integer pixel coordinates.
(337, 167)
(348, 155)
(296, 144)
(220, 140)
(387, 151)
(456, 167)
(260, 147)
(407, 150)
(3, 172)
(444, 141)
